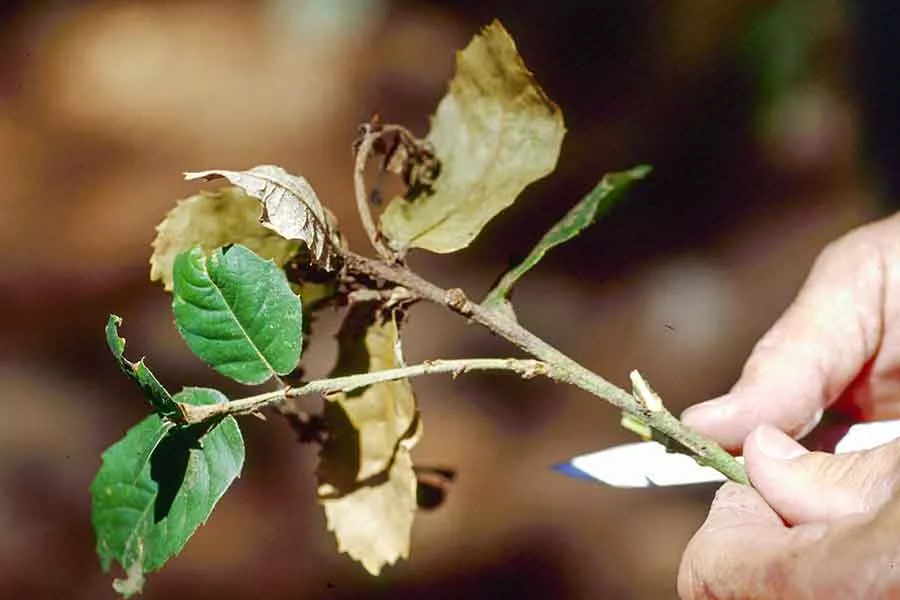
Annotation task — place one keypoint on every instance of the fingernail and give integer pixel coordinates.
(776, 444)
(717, 408)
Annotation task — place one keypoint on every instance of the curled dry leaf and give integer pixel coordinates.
(366, 480)
(212, 220)
(494, 133)
(290, 208)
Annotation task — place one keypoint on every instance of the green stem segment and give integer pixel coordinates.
(561, 366)
(526, 368)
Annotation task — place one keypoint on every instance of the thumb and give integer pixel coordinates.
(805, 487)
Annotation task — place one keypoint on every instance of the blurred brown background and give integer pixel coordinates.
(761, 119)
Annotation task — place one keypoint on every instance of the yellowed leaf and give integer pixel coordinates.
(212, 220)
(290, 208)
(373, 524)
(366, 480)
(495, 132)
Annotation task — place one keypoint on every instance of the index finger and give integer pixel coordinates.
(814, 351)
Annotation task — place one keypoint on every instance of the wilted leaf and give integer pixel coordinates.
(373, 524)
(211, 220)
(584, 214)
(494, 133)
(149, 385)
(237, 312)
(290, 208)
(366, 480)
(158, 484)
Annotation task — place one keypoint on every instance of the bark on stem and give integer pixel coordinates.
(526, 368)
(564, 368)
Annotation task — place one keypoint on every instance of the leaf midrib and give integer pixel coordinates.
(233, 314)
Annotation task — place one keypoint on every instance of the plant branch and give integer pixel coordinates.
(527, 368)
(369, 135)
(563, 368)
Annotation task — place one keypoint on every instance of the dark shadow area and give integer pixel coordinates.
(169, 463)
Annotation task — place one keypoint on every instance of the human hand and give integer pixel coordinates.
(815, 526)
(838, 345)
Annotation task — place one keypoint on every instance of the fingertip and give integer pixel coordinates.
(808, 487)
(697, 414)
(768, 457)
(730, 419)
(718, 419)
(771, 443)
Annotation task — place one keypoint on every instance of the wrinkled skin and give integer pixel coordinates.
(813, 525)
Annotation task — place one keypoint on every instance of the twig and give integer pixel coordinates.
(389, 297)
(564, 368)
(527, 368)
(369, 135)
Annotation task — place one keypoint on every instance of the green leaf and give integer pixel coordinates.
(584, 214)
(237, 312)
(212, 220)
(159, 483)
(494, 133)
(149, 385)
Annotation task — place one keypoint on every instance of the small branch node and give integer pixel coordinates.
(534, 369)
(456, 300)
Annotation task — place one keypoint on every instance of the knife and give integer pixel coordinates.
(649, 464)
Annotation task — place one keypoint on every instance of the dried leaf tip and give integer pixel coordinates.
(290, 208)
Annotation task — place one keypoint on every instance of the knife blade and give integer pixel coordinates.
(648, 464)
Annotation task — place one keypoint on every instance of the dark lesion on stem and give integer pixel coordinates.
(411, 158)
(403, 154)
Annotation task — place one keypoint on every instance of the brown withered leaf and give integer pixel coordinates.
(212, 220)
(366, 480)
(494, 133)
(290, 208)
